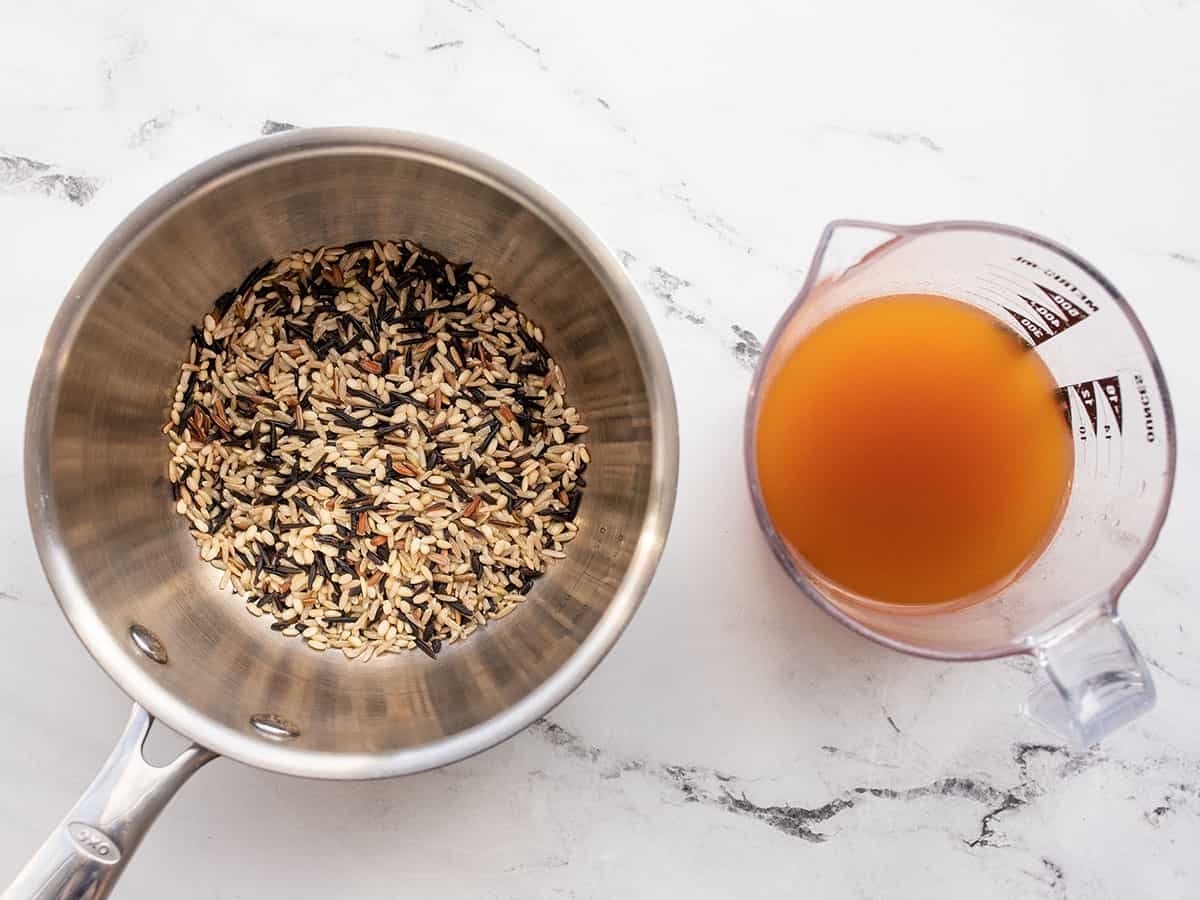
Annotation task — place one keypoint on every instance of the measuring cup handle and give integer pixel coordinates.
(89, 849)
(1096, 681)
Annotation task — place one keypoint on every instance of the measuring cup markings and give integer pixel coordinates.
(1046, 320)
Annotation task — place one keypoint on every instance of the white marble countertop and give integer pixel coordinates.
(737, 742)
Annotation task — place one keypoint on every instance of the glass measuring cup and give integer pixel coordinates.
(1062, 607)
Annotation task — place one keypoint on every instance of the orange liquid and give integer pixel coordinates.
(913, 450)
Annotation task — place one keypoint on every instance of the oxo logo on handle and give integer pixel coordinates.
(94, 843)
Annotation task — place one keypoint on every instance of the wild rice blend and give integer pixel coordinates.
(374, 446)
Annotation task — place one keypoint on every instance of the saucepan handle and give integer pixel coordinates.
(89, 849)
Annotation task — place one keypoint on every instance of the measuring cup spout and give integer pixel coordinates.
(847, 243)
(1096, 681)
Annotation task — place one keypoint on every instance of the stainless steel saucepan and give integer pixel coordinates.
(126, 572)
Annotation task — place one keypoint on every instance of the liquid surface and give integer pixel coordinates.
(913, 450)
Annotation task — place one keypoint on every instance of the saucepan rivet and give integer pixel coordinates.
(277, 728)
(147, 641)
